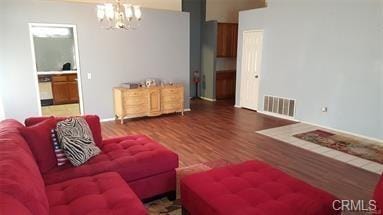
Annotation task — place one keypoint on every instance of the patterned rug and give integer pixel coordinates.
(369, 151)
(164, 206)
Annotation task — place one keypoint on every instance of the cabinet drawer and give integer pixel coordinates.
(72, 77)
(171, 91)
(135, 100)
(136, 109)
(171, 107)
(172, 98)
(59, 78)
(135, 93)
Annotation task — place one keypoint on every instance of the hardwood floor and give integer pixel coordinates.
(213, 131)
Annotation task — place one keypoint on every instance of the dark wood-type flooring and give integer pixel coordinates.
(214, 131)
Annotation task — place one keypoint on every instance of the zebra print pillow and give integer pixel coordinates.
(76, 139)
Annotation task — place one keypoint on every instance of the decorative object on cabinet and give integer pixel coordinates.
(152, 82)
(130, 85)
(227, 36)
(148, 101)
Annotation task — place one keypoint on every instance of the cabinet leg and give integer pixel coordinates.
(122, 120)
(182, 113)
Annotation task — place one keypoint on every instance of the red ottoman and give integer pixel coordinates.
(252, 188)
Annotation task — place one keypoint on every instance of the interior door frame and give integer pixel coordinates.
(78, 71)
(242, 74)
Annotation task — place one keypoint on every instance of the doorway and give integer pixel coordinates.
(251, 68)
(58, 82)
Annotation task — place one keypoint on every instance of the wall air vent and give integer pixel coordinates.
(279, 105)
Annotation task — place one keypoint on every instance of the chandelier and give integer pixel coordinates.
(118, 15)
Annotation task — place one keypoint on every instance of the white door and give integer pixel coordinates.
(251, 68)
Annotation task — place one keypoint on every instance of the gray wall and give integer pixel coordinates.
(208, 54)
(194, 7)
(323, 53)
(158, 48)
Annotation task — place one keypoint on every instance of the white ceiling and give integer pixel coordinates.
(175, 5)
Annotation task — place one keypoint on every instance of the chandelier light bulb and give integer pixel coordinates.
(137, 12)
(109, 11)
(100, 12)
(128, 11)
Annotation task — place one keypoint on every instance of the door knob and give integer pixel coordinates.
(256, 76)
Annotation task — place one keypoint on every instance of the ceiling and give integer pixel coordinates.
(174, 5)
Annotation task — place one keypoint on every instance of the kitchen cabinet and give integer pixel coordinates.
(227, 37)
(65, 89)
(225, 84)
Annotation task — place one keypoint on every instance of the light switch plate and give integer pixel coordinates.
(89, 75)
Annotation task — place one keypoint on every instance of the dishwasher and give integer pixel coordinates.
(45, 88)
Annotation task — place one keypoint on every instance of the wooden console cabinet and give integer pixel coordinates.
(152, 101)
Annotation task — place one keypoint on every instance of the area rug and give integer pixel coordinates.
(164, 206)
(369, 151)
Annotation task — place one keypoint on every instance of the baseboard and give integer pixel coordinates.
(237, 106)
(208, 99)
(107, 119)
(113, 119)
(278, 116)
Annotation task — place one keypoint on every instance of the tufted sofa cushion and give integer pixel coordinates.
(252, 188)
(133, 157)
(106, 193)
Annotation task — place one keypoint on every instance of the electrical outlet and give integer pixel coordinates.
(89, 75)
(324, 109)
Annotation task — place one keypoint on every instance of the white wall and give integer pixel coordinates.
(175, 5)
(227, 10)
(323, 53)
(158, 48)
(2, 115)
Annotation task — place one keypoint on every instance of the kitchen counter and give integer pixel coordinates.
(56, 72)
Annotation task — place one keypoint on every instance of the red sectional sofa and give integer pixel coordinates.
(129, 169)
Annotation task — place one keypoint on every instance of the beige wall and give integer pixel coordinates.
(175, 5)
(227, 10)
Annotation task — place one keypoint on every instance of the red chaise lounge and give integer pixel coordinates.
(128, 169)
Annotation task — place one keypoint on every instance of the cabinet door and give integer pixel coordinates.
(73, 92)
(154, 102)
(225, 85)
(222, 40)
(227, 39)
(60, 92)
(234, 40)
